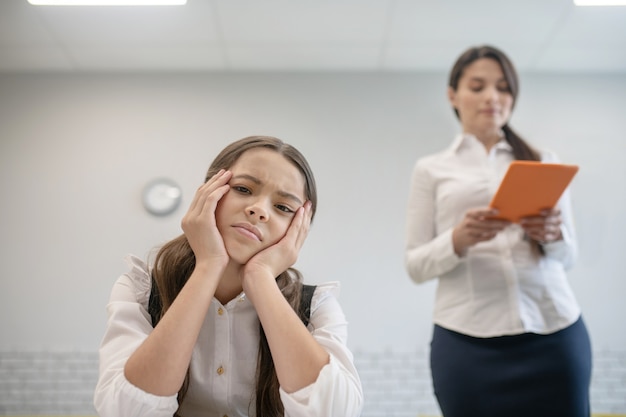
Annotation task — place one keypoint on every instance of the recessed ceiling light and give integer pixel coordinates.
(107, 2)
(600, 2)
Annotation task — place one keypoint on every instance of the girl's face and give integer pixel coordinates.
(482, 98)
(266, 189)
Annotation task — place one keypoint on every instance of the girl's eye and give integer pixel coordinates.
(241, 189)
(284, 208)
(476, 88)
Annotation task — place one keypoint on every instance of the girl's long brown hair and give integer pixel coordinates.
(175, 262)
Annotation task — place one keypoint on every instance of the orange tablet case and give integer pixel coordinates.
(530, 186)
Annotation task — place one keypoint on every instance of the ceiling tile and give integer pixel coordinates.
(475, 21)
(297, 21)
(304, 57)
(594, 26)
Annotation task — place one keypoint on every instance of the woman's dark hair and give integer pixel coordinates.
(175, 262)
(521, 150)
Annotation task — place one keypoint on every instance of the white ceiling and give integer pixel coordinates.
(309, 35)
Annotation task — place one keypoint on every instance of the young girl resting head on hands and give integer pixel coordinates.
(221, 324)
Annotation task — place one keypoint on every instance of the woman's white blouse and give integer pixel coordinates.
(500, 287)
(224, 360)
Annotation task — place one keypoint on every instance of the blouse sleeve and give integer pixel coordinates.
(427, 254)
(337, 390)
(127, 327)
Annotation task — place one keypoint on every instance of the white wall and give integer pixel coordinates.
(76, 150)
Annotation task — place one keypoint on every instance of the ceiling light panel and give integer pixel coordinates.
(107, 2)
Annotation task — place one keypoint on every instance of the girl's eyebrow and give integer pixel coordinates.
(247, 177)
(290, 197)
(257, 181)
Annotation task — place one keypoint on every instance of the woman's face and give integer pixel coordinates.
(266, 189)
(482, 98)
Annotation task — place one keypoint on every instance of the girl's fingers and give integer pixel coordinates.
(284, 253)
(304, 224)
(210, 202)
(294, 229)
(206, 189)
(298, 230)
(203, 186)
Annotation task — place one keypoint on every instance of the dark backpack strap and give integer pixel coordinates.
(305, 303)
(154, 304)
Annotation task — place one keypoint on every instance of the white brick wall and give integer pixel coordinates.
(42, 383)
(608, 382)
(395, 384)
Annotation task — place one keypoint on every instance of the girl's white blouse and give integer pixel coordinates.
(224, 360)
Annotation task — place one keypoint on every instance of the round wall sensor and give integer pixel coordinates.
(162, 196)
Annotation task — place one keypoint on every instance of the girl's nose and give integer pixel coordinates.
(257, 211)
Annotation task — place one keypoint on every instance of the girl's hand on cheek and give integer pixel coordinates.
(275, 259)
(199, 224)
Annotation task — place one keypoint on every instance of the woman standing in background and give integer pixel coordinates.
(508, 338)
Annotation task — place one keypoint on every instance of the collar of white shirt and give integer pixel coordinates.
(463, 140)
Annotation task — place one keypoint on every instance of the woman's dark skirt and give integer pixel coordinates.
(527, 375)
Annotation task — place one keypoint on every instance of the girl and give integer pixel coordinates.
(215, 327)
